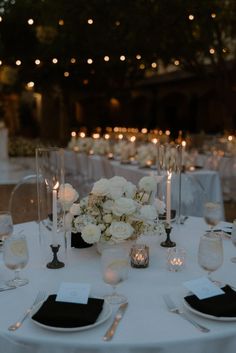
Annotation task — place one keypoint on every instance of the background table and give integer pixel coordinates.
(203, 185)
(147, 325)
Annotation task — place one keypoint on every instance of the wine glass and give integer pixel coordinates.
(6, 226)
(212, 214)
(114, 263)
(210, 253)
(233, 238)
(15, 257)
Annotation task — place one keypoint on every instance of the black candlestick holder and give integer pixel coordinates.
(168, 243)
(55, 263)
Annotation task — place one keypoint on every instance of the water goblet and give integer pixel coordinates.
(114, 263)
(210, 253)
(6, 226)
(233, 238)
(212, 214)
(15, 257)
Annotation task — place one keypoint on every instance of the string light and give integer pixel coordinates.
(122, 58)
(90, 61)
(18, 62)
(213, 15)
(30, 21)
(154, 65)
(73, 60)
(117, 23)
(191, 17)
(37, 62)
(54, 60)
(176, 62)
(0, 62)
(212, 51)
(0, 18)
(106, 58)
(85, 82)
(138, 57)
(66, 74)
(61, 22)
(142, 66)
(90, 21)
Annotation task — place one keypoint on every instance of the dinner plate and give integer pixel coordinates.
(207, 316)
(103, 316)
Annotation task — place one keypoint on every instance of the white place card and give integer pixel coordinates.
(73, 292)
(203, 288)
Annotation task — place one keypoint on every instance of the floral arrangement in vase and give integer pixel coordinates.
(116, 210)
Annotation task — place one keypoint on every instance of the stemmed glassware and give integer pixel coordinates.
(210, 253)
(212, 214)
(15, 257)
(6, 226)
(233, 238)
(114, 263)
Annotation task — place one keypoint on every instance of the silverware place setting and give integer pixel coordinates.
(173, 308)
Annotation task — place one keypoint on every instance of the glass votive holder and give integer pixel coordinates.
(139, 256)
(176, 259)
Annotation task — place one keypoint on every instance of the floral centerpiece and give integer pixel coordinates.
(116, 210)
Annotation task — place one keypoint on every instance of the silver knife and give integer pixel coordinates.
(119, 314)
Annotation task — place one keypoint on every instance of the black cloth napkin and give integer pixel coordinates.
(68, 315)
(223, 305)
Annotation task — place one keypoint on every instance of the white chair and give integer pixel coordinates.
(23, 203)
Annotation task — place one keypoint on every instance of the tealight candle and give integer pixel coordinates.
(175, 259)
(139, 255)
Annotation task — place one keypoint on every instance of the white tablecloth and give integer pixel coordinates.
(226, 167)
(147, 326)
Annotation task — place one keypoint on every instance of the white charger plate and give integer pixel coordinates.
(103, 316)
(207, 316)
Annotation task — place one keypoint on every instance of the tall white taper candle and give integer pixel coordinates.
(168, 198)
(54, 217)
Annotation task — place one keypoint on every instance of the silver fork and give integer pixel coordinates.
(174, 309)
(39, 298)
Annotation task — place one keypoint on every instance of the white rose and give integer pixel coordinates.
(160, 206)
(130, 189)
(107, 218)
(121, 230)
(148, 212)
(124, 206)
(116, 192)
(148, 184)
(117, 187)
(118, 181)
(91, 233)
(67, 195)
(75, 209)
(101, 187)
(108, 206)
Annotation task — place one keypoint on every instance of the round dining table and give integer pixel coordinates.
(147, 326)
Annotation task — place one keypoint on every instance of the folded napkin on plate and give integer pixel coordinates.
(68, 315)
(223, 305)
